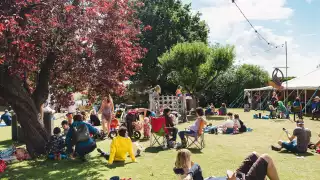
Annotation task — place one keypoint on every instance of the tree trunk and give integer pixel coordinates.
(13, 92)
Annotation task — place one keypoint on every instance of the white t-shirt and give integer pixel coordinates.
(230, 123)
(72, 109)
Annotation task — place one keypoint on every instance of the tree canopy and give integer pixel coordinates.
(231, 83)
(171, 22)
(195, 65)
(66, 46)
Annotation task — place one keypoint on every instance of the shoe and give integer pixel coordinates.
(100, 151)
(138, 152)
(273, 148)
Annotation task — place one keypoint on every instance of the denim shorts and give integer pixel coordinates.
(290, 146)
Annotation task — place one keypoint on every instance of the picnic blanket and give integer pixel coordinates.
(209, 129)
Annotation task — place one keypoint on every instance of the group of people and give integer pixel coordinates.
(253, 167)
(211, 110)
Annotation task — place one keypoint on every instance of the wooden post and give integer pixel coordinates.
(14, 128)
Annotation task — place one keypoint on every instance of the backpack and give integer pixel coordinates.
(81, 133)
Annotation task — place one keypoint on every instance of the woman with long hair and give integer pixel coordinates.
(106, 109)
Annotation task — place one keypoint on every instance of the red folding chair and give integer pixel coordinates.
(158, 131)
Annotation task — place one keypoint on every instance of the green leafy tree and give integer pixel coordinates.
(195, 65)
(231, 83)
(170, 22)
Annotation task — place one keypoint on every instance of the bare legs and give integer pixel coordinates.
(103, 124)
(258, 167)
(271, 170)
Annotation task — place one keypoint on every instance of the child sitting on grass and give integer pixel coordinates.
(120, 146)
(56, 145)
(185, 168)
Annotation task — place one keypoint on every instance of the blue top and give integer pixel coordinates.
(153, 114)
(315, 105)
(91, 129)
(6, 117)
(296, 104)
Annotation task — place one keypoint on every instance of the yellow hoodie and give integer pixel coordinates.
(120, 146)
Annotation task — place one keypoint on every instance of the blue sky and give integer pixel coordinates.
(294, 21)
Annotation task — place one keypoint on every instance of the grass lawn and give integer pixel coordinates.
(222, 152)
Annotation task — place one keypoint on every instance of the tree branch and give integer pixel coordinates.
(41, 92)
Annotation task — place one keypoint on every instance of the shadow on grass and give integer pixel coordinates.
(6, 143)
(297, 154)
(64, 169)
(216, 118)
(195, 151)
(154, 149)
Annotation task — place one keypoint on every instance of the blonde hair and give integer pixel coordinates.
(183, 158)
(158, 89)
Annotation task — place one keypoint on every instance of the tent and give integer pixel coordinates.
(306, 82)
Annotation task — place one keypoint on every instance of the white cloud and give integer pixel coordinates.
(309, 1)
(227, 25)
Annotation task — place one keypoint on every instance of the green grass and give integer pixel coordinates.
(222, 152)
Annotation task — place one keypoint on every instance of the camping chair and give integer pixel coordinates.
(158, 131)
(196, 139)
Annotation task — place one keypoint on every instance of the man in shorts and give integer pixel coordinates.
(299, 141)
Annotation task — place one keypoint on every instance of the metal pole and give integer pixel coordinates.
(286, 47)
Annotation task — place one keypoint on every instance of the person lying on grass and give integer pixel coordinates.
(298, 142)
(195, 128)
(254, 167)
(120, 146)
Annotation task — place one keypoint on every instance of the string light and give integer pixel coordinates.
(255, 30)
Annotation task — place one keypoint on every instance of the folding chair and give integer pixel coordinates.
(158, 131)
(196, 139)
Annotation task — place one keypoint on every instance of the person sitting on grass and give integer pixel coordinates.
(242, 127)
(120, 146)
(6, 117)
(195, 128)
(281, 108)
(65, 127)
(254, 167)
(56, 145)
(94, 119)
(228, 125)
(223, 109)
(299, 141)
(79, 136)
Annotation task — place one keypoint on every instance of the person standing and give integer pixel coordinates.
(247, 101)
(106, 109)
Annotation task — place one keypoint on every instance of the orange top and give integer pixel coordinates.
(178, 91)
(114, 123)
